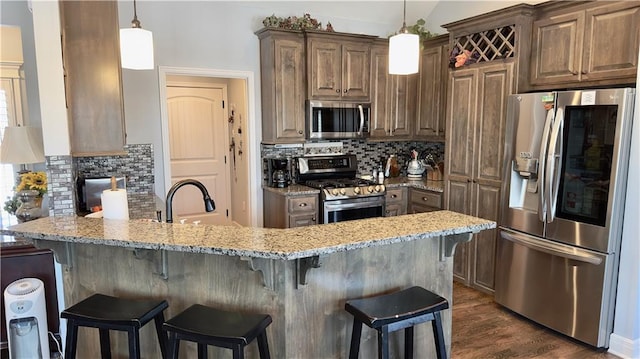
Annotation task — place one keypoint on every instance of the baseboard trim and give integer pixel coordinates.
(624, 347)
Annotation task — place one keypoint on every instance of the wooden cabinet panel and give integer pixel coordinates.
(91, 56)
(395, 202)
(484, 245)
(558, 44)
(325, 69)
(474, 150)
(460, 123)
(589, 44)
(394, 105)
(612, 38)
(379, 90)
(338, 66)
(421, 201)
(431, 117)
(356, 60)
(282, 70)
(282, 211)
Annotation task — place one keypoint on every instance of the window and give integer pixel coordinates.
(7, 172)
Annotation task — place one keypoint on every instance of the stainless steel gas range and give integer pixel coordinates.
(343, 196)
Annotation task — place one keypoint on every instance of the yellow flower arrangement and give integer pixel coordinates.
(33, 180)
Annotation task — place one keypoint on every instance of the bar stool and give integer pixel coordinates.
(400, 310)
(111, 313)
(209, 326)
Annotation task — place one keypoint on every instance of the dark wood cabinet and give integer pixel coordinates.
(395, 201)
(91, 58)
(282, 71)
(282, 211)
(421, 201)
(394, 98)
(577, 44)
(22, 260)
(430, 123)
(338, 66)
(476, 121)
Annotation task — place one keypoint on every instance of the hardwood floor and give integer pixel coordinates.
(484, 329)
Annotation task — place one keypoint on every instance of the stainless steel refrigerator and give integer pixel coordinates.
(567, 155)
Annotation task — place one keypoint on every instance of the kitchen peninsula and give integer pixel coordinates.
(300, 276)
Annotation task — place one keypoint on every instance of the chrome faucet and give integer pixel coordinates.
(209, 205)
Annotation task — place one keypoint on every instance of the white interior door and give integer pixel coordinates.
(198, 147)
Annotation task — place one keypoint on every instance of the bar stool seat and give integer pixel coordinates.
(112, 313)
(399, 310)
(210, 326)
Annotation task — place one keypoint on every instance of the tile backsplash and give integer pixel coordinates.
(370, 155)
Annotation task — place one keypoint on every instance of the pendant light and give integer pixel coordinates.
(136, 46)
(404, 50)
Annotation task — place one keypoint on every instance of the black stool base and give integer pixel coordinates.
(392, 312)
(111, 313)
(209, 326)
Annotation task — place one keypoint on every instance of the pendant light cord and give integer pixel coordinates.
(135, 23)
(403, 30)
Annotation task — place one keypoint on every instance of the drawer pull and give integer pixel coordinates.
(394, 196)
(425, 198)
(302, 204)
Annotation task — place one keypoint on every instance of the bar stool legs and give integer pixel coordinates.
(112, 313)
(392, 312)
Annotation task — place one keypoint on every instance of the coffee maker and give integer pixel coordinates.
(277, 172)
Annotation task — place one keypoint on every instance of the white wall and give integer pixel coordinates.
(625, 340)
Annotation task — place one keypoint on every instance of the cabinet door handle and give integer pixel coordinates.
(584, 72)
(345, 90)
(337, 90)
(574, 72)
(313, 219)
(299, 132)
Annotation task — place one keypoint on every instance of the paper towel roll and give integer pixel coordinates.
(114, 204)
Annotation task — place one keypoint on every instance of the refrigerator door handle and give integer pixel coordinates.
(553, 165)
(553, 249)
(544, 146)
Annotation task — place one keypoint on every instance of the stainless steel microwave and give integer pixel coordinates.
(334, 119)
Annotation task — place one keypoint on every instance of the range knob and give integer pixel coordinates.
(335, 191)
(377, 188)
(382, 188)
(343, 191)
(370, 189)
(356, 190)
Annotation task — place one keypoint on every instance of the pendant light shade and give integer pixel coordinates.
(136, 46)
(404, 50)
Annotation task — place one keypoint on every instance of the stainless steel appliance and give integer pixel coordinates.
(343, 196)
(90, 189)
(277, 172)
(563, 202)
(337, 119)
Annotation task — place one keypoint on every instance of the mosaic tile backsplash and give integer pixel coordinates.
(136, 166)
(370, 155)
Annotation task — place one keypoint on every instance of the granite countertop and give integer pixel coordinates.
(421, 183)
(286, 244)
(390, 182)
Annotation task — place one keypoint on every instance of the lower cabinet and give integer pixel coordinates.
(421, 201)
(395, 202)
(282, 211)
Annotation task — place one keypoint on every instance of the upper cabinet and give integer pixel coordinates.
(588, 44)
(91, 57)
(338, 66)
(282, 71)
(393, 98)
(430, 121)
